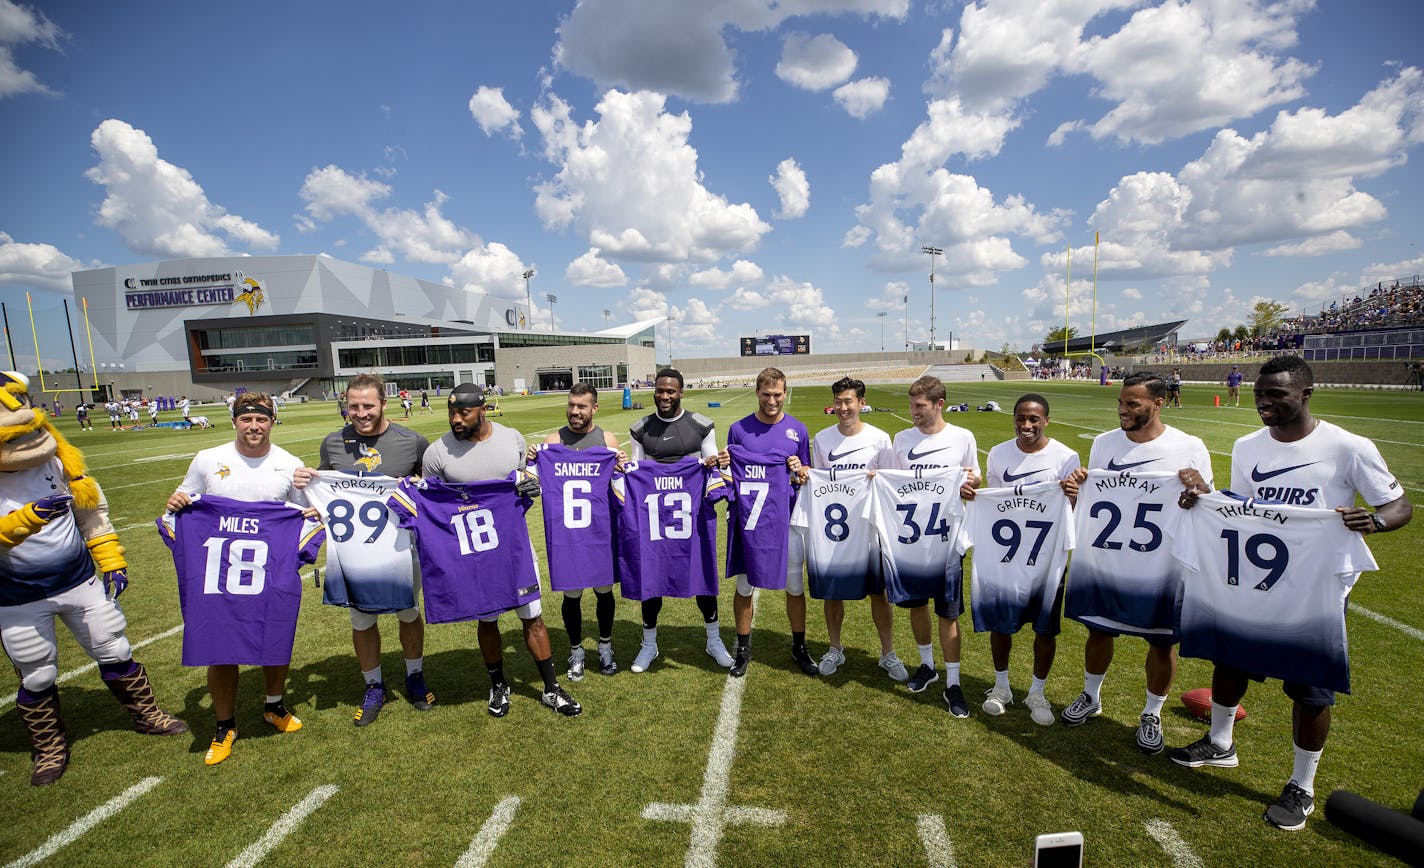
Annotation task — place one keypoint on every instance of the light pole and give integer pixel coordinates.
(882, 316)
(551, 299)
(933, 252)
(528, 299)
(905, 302)
(606, 314)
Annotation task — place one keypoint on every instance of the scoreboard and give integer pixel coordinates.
(777, 345)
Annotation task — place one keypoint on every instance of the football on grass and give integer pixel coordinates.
(1198, 702)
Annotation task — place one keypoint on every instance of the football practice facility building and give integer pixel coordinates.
(303, 325)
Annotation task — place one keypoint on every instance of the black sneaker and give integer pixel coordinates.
(560, 700)
(606, 664)
(803, 658)
(740, 661)
(371, 705)
(923, 677)
(498, 700)
(954, 699)
(420, 696)
(1203, 752)
(1291, 809)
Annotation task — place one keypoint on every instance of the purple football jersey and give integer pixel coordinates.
(238, 586)
(667, 529)
(578, 524)
(475, 557)
(759, 518)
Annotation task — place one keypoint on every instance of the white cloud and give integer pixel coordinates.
(856, 236)
(20, 25)
(630, 181)
(416, 236)
(795, 191)
(590, 269)
(892, 296)
(41, 265)
(1132, 293)
(490, 268)
(805, 305)
(742, 273)
(863, 97)
(494, 113)
(643, 303)
(1318, 246)
(157, 207)
(815, 62)
(680, 46)
(746, 299)
(1389, 272)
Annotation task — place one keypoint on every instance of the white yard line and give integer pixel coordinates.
(1407, 630)
(91, 665)
(1168, 839)
(711, 814)
(939, 852)
(482, 847)
(63, 839)
(284, 826)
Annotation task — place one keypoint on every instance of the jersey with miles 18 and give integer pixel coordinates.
(370, 564)
(578, 521)
(841, 549)
(917, 514)
(667, 528)
(1021, 538)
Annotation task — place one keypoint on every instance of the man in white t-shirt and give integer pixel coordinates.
(1303, 461)
(934, 443)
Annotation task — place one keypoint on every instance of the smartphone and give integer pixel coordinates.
(1060, 850)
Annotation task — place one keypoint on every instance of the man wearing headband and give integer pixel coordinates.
(250, 468)
(476, 450)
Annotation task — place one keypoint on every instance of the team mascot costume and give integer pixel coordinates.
(54, 536)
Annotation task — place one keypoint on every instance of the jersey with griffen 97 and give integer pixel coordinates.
(51, 560)
(578, 521)
(370, 564)
(476, 560)
(1008, 465)
(917, 514)
(1322, 470)
(238, 585)
(1123, 578)
(868, 450)
(667, 528)
(1269, 595)
(759, 517)
(1021, 538)
(841, 549)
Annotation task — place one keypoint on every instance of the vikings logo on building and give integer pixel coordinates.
(370, 458)
(251, 292)
(223, 471)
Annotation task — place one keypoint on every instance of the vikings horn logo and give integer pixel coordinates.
(223, 471)
(251, 294)
(370, 458)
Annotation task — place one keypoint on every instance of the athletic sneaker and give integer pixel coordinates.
(740, 662)
(923, 677)
(576, 664)
(892, 664)
(1203, 752)
(560, 700)
(1149, 734)
(221, 748)
(718, 651)
(606, 664)
(420, 696)
(803, 658)
(647, 653)
(1039, 709)
(954, 700)
(1082, 708)
(281, 718)
(371, 706)
(831, 661)
(1291, 809)
(996, 700)
(498, 700)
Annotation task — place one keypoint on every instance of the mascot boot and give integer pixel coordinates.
(40, 713)
(135, 694)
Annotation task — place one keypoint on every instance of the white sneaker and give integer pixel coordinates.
(576, 668)
(1039, 709)
(831, 661)
(647, 653)
(892, 664)
(996, 700)
(718, 651)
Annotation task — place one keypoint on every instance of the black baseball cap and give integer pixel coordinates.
(467, 395)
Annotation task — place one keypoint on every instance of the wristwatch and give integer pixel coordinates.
(1380, 526)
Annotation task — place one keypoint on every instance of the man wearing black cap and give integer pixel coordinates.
(475, 450)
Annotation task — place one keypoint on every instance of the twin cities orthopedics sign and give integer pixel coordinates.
(776, 345)
(192, 290)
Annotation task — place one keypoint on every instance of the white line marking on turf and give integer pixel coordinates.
(284, 826)
(1168, 839)
(939, 852)
(1389, 622)
(482, 847)
(63, 839)
(75, 673)
(711, 813)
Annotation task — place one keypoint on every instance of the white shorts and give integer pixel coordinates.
(28, 633)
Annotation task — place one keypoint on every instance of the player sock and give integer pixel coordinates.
(1223, 721)
(798, 640)
(275, 706)
(713, 631)
(274, 700)
(1154, 704)
(651, 609)
(707, 605)
(1306, 762)
(1038, 685)
(603, 607)
(546, 671)
(224, 726)
(1001, 679)
(572, 611)
(744, 640)
(1093, 685)
(372, 676)
(414, 665)
(926, 655)
(120, 669)
(650, 635)
(951, 673)
(496, 673)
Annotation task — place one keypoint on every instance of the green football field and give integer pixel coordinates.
(683, 764)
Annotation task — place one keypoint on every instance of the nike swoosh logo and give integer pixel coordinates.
(1258, 476)
(913, 457)
(833, 457)
(1011, 477)
(1113, 465)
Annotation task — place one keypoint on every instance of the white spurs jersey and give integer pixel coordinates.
(868, 450)
(1322, 470)
(1171, 450)
(1269, 592)
(951, 446)
(840, 546)
(1008, 465)
(917, 516)
(1021, 538)
(370, 564)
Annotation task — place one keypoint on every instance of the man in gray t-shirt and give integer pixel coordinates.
(475, 450)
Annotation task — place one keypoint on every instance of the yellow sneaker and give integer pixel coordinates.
(220, 749)
(286, 722)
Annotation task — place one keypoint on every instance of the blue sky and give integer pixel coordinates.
(743, 166)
